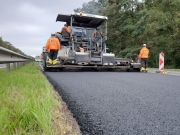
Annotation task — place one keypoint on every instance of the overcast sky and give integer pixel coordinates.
(27, 24)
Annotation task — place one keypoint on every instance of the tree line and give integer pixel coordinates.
(132, 23)
(9, 46)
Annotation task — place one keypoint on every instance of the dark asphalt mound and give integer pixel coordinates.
(121, 103)
(83, 119)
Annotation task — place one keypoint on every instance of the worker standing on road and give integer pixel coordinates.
(66, 29)
(143, 55)
(53, 45)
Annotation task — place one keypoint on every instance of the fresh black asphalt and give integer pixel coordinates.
(121, 103)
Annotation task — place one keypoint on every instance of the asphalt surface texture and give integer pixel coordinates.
(121, 103)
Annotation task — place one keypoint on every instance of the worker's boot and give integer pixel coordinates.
(142, 69)
(50, 61)
(55, 62)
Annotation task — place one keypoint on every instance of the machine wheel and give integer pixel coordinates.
(60, 69)
(110, 69)
(137, 69)
(45, 67)
(44, 62)
(129, 69)
(96, 69)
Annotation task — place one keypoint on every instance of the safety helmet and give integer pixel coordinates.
(53, 34)
(144, 45)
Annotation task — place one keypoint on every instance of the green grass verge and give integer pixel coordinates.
(27, 103)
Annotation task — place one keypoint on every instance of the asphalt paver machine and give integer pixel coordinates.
(81, 50)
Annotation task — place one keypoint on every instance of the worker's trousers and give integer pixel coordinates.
(144, 62)
(53, 54)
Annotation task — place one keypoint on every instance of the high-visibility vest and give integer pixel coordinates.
(144, 53)
(97, 34)
(67, 29)
(53, 44)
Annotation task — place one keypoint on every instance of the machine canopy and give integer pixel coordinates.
(83, 20)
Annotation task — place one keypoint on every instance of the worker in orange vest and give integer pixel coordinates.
(66, 28)
(143, 55)
(53, 46)
(97, 36)
(97, 33)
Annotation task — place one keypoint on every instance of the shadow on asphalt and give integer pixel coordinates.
(90, 70)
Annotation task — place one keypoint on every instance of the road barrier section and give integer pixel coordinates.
(8, 56)
(161, 64)
(161, 61)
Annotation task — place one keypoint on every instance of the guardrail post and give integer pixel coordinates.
(8, 56)
(8, 67)
(18, 66)
(14, 66)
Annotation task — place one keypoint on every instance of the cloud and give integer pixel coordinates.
(27, 24)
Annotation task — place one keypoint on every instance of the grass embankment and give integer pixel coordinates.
(29, 105)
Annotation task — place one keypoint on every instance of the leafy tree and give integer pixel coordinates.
(132, 23)
(161, 23)
(92, 7)
(9, 46)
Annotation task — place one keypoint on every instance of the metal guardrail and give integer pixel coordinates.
(8, 56)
